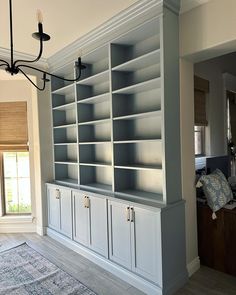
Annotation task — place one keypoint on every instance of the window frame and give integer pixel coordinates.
(202, 132)
(2, 183)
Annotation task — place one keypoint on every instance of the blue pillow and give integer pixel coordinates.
(216, 189)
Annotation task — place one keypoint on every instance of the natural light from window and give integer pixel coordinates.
(17, 182)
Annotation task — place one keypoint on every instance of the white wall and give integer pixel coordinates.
(208, 30)
(205, 32)
(39, 117)
(213, 70)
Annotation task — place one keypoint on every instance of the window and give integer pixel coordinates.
(16, 182)
(199, 140)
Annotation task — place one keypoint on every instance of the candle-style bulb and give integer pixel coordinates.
(39, 16)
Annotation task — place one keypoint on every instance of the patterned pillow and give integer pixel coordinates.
(216, 189)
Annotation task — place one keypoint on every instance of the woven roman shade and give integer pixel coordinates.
(201, 88)
(13, 126)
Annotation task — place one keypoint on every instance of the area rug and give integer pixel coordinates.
(24, 271)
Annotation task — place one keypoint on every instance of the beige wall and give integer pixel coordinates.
(208, 30)
(187, 163)
(205, 32)
(39, 123)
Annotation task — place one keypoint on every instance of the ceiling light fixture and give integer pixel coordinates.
(17, 66)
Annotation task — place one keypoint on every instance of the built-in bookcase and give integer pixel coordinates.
(109, 126)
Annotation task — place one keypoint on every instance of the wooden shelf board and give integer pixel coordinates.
(97, 186)
(139, 87)
(65, 143)
(64, 107)
(66, 162)
(95, 164)
(138, 115)
(65, 126)
(147, 196)
(65, 90)
(95, 99)
(68, 181)
(140, 62)
(136, 140)
(101, 121)
(95, 142)
(139, 167)
(95, 79)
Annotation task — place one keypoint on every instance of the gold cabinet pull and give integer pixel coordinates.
(132, 214)
(127, 213)
(86, 202)
(57, 194)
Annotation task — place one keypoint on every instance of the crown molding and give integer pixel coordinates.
(173, 5)
(6, 53)
(124, 21)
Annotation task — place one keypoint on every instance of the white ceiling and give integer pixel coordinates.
(187, 5)
(64, 20)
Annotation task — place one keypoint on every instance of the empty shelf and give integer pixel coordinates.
(97, 186)
(68, 89)
(96, 164)
(148, 196)
(65, 107)
(140, 87)
(95, 79)
(95, 99)
(138, 115)
(95, 122)
(139, 167)
(67, 162)
(140, 62)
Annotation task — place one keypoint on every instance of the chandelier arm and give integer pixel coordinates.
(52, 75)
(3, 65)
(5, 62)
(34, 60)
(44, 83)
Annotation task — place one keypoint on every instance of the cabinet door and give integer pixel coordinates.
(119, 230)
(66, 212)
(53, 208)
(81, 219)
(98, 225)
(146, 243)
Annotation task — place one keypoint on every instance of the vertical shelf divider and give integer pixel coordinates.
(111, 118)
(77, 129)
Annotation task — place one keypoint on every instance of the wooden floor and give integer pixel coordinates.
(205, 282)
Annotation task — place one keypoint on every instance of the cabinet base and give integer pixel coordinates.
(127, 276)
(118, 271)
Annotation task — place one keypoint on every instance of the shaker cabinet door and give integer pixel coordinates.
(146, 243)
(53, 208)
(81, 219)
(119, 234)
(98, 225)
(66, 212)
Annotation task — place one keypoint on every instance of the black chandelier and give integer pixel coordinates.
(14, 67)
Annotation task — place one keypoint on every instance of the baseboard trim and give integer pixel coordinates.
(10, 228)
(193, 266)
(118, 271)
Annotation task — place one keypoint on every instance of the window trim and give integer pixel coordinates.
(3, 198)
(203, 141)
